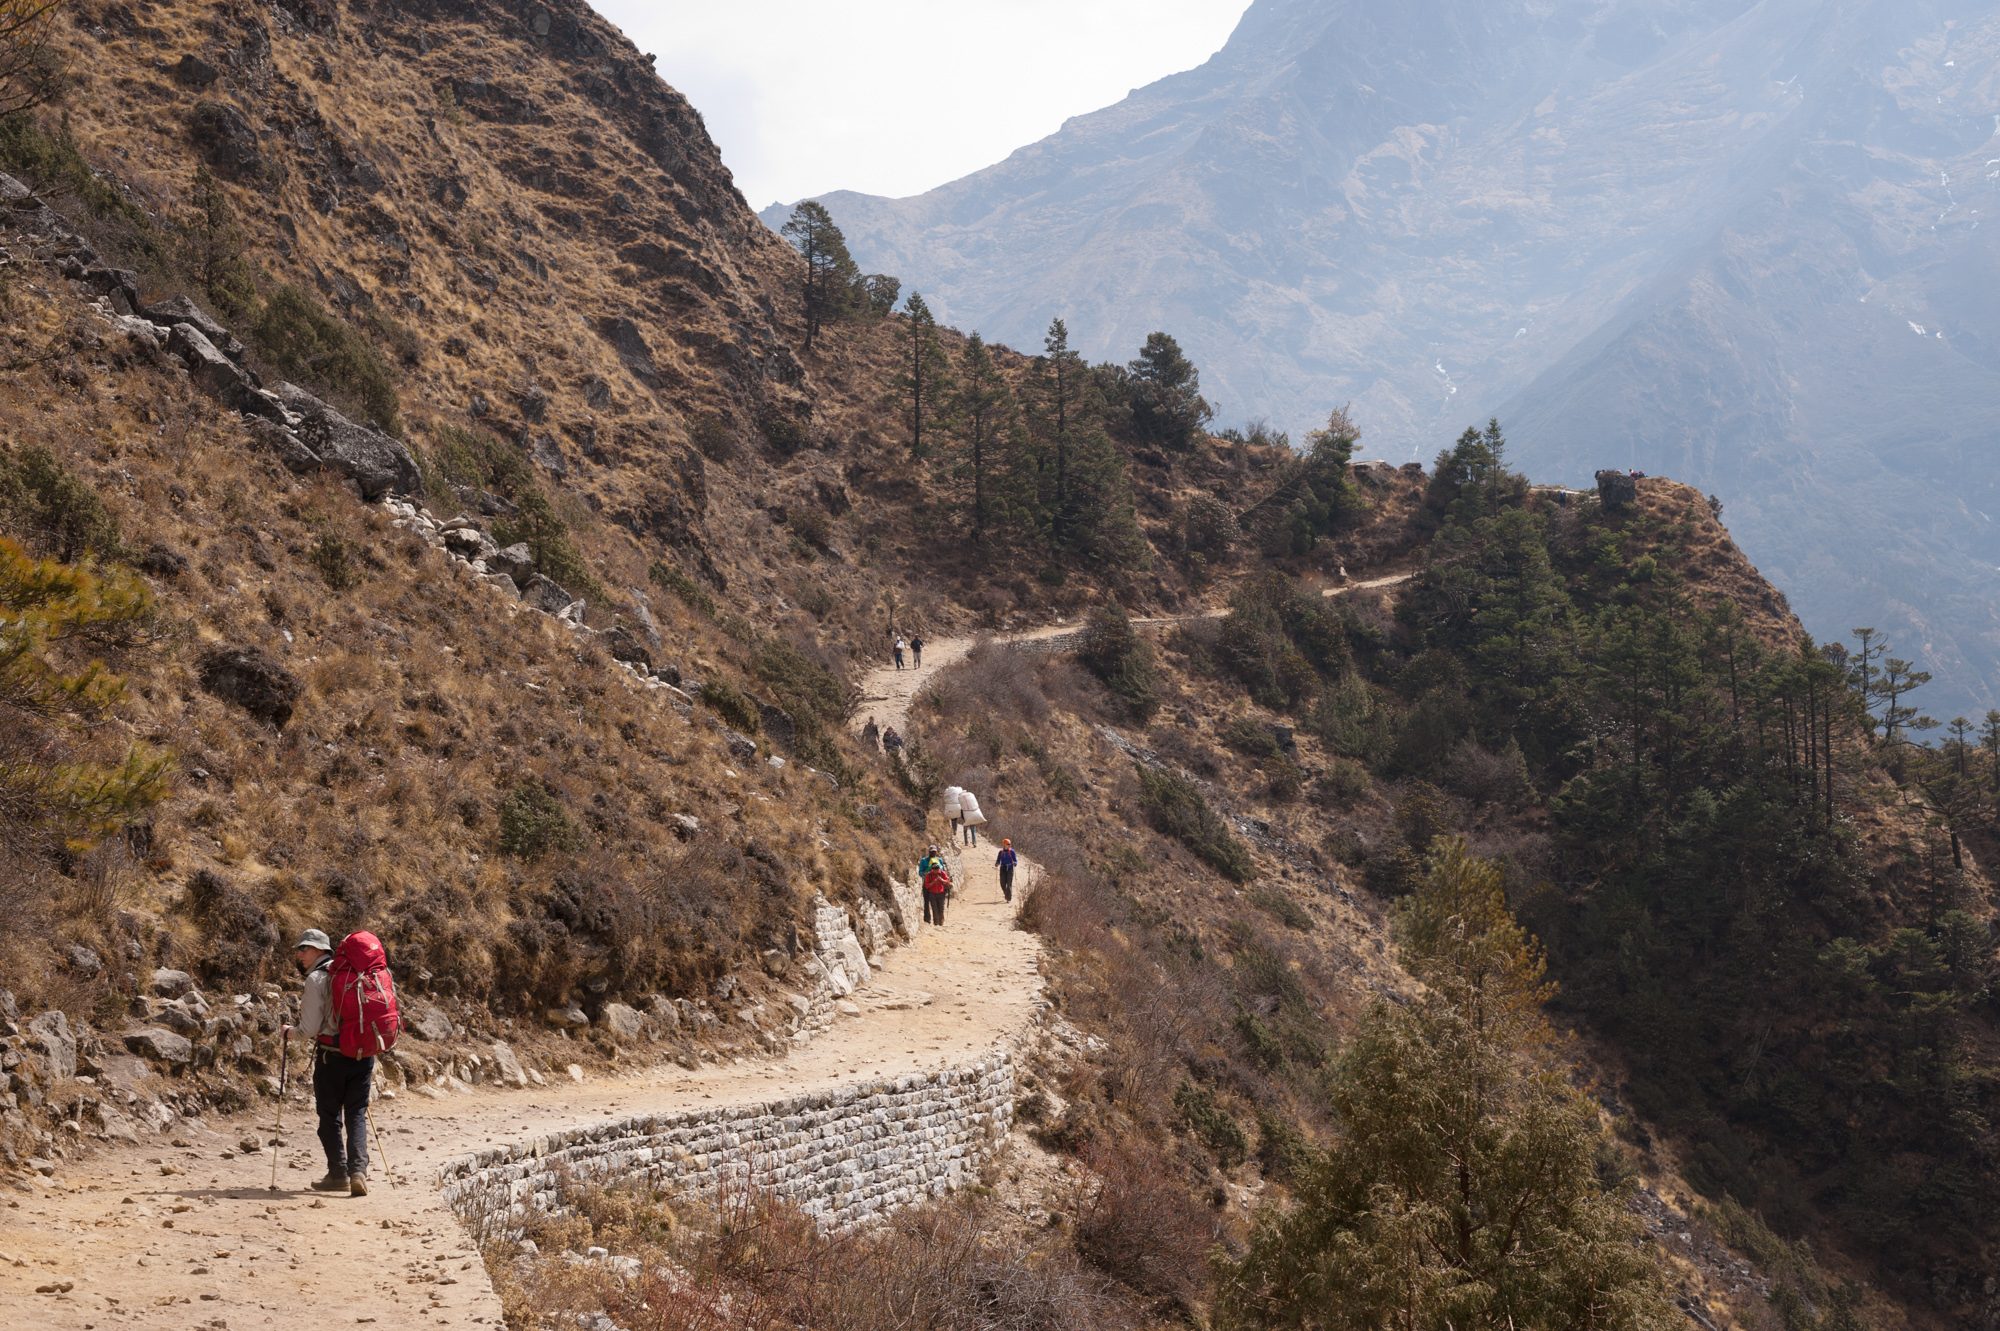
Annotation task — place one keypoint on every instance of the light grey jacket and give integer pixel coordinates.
(316, 1014)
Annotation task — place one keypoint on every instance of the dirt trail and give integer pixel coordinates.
(186, 1235)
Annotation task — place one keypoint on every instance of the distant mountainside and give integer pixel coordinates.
(1742, 243)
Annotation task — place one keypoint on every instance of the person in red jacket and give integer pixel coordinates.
(937, 886)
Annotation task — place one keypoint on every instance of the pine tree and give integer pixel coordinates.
(981, 406)
(925, 379)
(46, 790)
(826, 291)
(1167, 406)
(1462, 1190)
(212, 247)
(1061, 378)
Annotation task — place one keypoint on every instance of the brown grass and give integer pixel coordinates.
(746, 1261)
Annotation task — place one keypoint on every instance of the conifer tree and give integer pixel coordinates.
(981, 405)
(1462, 1190)
(826, 291)
(1167, 406)
(925, 378)
(1061, 380)
(212, 247)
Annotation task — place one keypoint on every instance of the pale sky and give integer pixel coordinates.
(896, 96)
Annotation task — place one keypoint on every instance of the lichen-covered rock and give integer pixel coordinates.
(377, 464)
(58, 1044)
(517, 561)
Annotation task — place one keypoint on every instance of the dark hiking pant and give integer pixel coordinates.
(340, 1093)
(934, 907)
(1007, 881)
(971, 834)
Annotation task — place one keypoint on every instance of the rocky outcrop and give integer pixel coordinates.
(1617, 490)
(377, 464)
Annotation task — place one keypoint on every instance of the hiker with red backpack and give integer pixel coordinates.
(937, 887)
(349, 1013)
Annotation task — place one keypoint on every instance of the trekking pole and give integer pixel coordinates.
(381, 1137)
(278, 1135)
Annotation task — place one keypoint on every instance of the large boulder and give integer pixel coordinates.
(180, 310)
(508, 1065)
(51, 1031)
(426, 1021)
(625, 645)
(194, 72)
(377, 464)
(160, 1045)
(214, 373)
(226, 141)
(545, 594)
(171, 983)
(252, 680)
(287, 446)
(517, 561)
(627, 1023)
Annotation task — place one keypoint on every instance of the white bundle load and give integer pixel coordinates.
(952, 797)
(968, 809)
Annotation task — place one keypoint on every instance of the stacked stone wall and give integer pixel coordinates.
(845, 1155)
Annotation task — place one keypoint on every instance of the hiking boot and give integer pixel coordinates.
(335, 1181)
(357, 1185)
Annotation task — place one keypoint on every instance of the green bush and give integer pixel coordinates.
(1206, 1117)
(50, 162)
(331, 557)
(44, 502)
(783, 431)
(1282, 1150)
(1283, 907)
(731, 704)
(1250, 737)
(547, 535)
(1115, 653)
(674, 579)
(302, 340)
(534, 822)
(1175, 806)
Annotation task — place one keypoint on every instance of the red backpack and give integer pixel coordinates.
(364, 996)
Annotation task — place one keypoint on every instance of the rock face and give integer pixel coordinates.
(52, 1032)
(377, 464)
(226, 141)
(252, 680)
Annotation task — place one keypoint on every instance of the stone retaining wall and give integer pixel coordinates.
(845, 1155)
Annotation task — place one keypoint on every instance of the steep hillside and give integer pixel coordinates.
(1739, 243)
(404, 406)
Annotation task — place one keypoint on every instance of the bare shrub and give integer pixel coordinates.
(748, 1260)
(1136, 1223)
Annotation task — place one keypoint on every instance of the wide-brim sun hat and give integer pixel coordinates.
(314, 938)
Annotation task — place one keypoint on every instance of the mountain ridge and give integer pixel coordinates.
(1642, 235)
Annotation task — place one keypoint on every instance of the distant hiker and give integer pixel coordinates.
(870, 735)
(900, 648)
(937, 886)
(969, 816)
(917, 652)
(349, 1013)
(954, 807)
(892, 743)
(1007, 859)
(931, 859)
